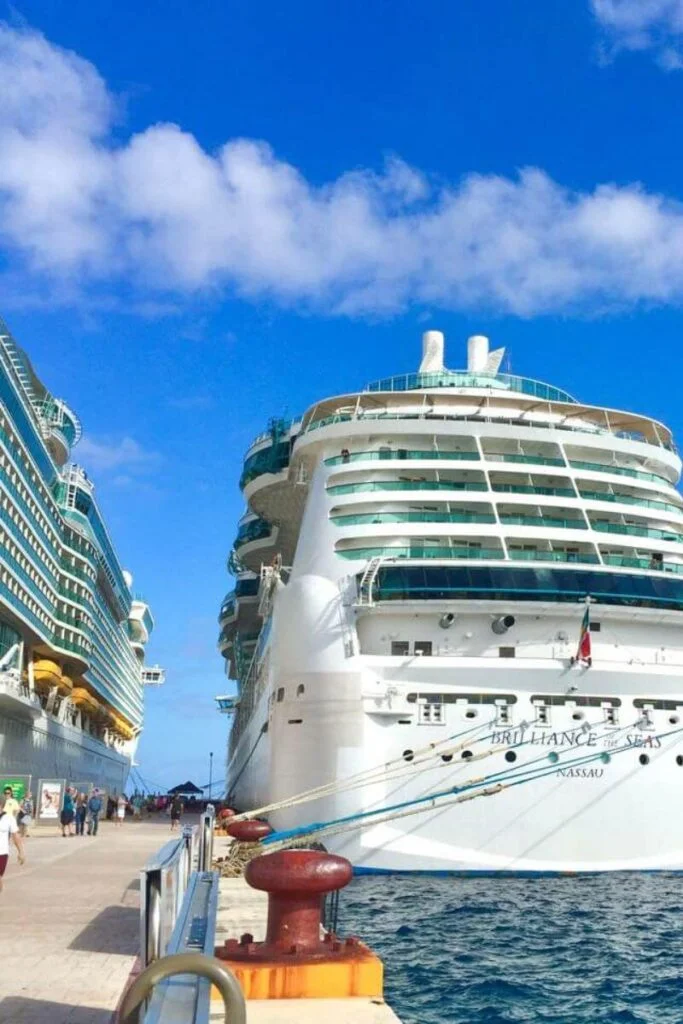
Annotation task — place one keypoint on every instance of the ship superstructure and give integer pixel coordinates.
(72, 634)
(413, 572)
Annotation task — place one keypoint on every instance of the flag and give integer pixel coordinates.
(583, 651)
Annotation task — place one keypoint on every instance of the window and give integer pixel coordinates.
(280, 694)
(431, 713)
(400, 648)
(543, 714)
(423, 647)
(300, 689)
(506, 652)
(595, 627)
(503, 714)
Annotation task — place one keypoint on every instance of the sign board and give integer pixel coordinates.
(50, 797)
(19, 784)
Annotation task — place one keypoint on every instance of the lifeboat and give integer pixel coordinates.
(46, 674)
(82, 698)
(64, 686)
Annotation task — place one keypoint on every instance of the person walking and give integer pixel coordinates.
(25, 818)
(8, 830)
(11, 804)
(121, 804)
(176, 811)
(94, 808)
(81, 811)
(66, 817)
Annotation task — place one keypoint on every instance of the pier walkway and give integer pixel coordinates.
(69, 923)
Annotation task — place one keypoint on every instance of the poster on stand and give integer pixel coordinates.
(50, 796)
(19, 784)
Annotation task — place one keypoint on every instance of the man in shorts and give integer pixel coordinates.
(8, 828)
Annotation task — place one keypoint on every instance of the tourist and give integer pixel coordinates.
(121, 804)
(66, 817)
(81, 811)
(11, 805)
(137, 803)
(111, 806)
(176, 811)
(8, 827)
(25, 819)
(94, 808)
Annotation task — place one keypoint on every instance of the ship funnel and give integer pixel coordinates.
(477, 353)
(432, 352)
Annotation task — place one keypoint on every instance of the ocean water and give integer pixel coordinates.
(599, 950)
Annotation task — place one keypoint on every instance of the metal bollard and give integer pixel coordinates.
(185, 963)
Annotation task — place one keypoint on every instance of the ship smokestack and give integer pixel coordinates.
(432, 352)
(477, 353)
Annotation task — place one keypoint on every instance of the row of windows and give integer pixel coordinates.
(24, 569)
(17, 596)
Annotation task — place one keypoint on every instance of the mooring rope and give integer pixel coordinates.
(506, 779)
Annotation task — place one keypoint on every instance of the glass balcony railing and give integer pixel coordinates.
(256, 529)
(511, 519)
(399, 454)
(273, 459)
(75, 571)
(651, 564)
(525, 583)
(406, 485)
(368, 518)
(421, 552)
(81, 649)
(553, 556)
(638, 531)
(604, 467)
(555, 492)
(628, 499)
(530, 460)
(454, 379)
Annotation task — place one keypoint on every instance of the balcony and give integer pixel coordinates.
(273, 459)
(255, 529)
(367, 518)
(553, 522)
(539, 555)
(406, 485)
(421, 552)
(628, 499)
(554, 492)
(603, 467)
(649, 564)
(639, 531)
(529, 460)
(452, 379)
(387, 454)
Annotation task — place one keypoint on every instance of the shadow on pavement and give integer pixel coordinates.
(19, 1010)
(114, 930)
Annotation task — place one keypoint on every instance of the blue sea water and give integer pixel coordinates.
(596, 949)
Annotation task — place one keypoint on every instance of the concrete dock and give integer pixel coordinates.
(69, 923)
(242, 909)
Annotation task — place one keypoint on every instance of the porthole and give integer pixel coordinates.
(577, 716)
(644, 759)
(470, 714)
(679, 760)
(510, 756)
(408, 755)
(447, 758)
(674, 719)
(553, 757)
(300, 689)
(605, 757)
(466, 755)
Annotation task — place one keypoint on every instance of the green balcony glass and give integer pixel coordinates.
(421, 552)
(406, 485)
(367, 518)
(628, 499)
(639, 531)
(510, 519)
(602, 467)
(402, 454)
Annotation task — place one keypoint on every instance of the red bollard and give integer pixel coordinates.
(296, 881)
(295, 962)
(249, 831)
(226, 812)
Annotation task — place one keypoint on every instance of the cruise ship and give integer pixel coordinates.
(457, 627)
(72, 633)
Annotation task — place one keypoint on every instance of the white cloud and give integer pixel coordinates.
(655, 25)
(125, 457)
(82, 211)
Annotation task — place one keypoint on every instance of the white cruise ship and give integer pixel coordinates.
(458, 619)
(72, 633)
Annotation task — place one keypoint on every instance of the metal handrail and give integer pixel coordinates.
(205, 837)
(185, 963)
(163, 882)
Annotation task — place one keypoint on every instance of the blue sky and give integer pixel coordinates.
(215, 213)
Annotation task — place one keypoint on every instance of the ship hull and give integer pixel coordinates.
(576, 795)
(46, 748)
